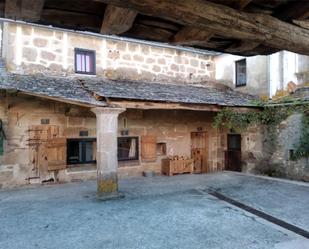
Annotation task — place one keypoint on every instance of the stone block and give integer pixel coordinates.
(133, 47)
(194, 63)
(30, 54)
(126, 57)
(138, 58)
(121, 46)
(156, 68)
(150, 60)
(161, 61)
(45, 55)
(113, 54)
(40, 42)
(43, 32)
(26, 30)
(145, 49)
(175, 68)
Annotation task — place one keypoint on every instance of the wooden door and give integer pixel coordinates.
(39, 135)
(233, 153)
(149, 148)
(199, 151)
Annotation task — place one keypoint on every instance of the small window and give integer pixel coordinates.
(241, 72)
(161, 149)
(127, 148)
(81, 151)
(84, 61)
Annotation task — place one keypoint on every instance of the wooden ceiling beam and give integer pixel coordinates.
(117, 20)
(27, 10)
(293, 10)
(242, 46)
(241, 4)
(302, 23)
(225, 21)
(190, 36)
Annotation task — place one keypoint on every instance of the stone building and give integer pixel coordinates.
(78, 105)
(62, 93)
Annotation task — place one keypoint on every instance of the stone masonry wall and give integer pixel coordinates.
(30, 49)
(19, 112)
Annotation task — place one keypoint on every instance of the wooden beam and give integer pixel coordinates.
(75, 20)
(225, 21)
(293, 10)
(27, 10)
(117, 20)
(304, 24)
(149, 105)
(242, 46)
(190, 36)
(241, 4)
(150, 33)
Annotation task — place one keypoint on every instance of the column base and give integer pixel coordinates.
(110, 196)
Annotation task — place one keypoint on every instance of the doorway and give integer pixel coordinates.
(199, 151)
(233, 153)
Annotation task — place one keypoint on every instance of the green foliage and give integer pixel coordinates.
(271, 117)
(302, 148)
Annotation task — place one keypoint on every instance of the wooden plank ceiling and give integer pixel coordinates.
(245, 27)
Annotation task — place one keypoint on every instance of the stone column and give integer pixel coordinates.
(107, 162)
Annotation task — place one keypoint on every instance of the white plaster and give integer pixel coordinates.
(18, 47)
(65, 51)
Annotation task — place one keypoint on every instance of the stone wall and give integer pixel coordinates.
(19, 112)
(288, 136)
(30, 49)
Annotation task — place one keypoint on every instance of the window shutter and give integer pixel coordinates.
(56, 153)
(149, 148)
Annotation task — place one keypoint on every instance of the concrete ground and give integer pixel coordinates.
(159, 212)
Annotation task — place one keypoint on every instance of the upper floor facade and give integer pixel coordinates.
(32, 49)
(36, 49)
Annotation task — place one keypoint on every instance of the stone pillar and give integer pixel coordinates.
(107, 162)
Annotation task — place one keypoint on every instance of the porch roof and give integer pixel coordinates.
(90, 90)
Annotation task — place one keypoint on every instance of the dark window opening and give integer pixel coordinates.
(234, 142)
(84, 61)
(127, 148)
(81, 151)
(241, 72)
(161, 149)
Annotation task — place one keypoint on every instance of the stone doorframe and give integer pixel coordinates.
(107, 162)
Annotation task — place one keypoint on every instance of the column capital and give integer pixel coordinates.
(107, 110)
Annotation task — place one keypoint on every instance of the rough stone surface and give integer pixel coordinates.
(43, 47)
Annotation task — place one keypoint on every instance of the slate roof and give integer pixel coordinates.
(62, 88)
(82, 90)
(189, 94)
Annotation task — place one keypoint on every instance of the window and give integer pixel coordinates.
(81, 151)
(84, 61)
(241, 72)
(161, 149)
(234, 142)
(127, 148)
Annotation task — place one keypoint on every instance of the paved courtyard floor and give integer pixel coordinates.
(160, 212)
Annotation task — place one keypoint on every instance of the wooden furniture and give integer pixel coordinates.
(171, 167)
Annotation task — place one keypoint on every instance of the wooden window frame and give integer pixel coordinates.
(237, 84)
(137, 149)
(93, 59)
(82, 140)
